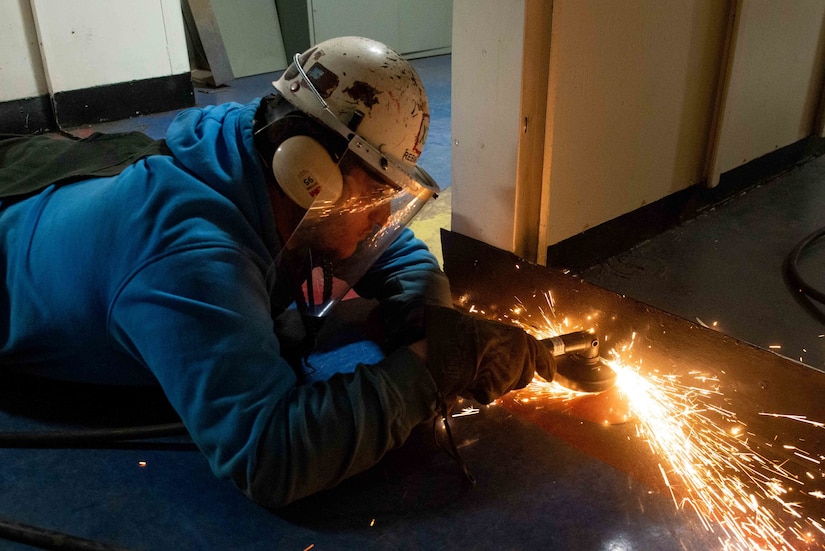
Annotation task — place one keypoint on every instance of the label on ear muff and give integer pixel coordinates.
(306, 172)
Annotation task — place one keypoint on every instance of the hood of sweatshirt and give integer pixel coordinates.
(216, 144)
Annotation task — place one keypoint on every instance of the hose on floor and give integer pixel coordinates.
(85, 438)
(43, 538)
(792, 267)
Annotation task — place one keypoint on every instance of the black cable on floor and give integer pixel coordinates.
(792, 267)
(49, 539)
(43, 538)
(87, 437)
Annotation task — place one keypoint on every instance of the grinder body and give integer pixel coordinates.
(578, 363)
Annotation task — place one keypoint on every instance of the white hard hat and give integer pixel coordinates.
(368, 87)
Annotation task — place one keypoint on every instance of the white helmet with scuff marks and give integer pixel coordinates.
(369, 87)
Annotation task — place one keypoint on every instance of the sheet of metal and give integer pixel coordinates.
(738, 422)
(201, 14)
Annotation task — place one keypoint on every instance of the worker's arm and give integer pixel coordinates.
(404, 280)
(200, 321)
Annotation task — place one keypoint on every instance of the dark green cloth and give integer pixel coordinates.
(31, 163)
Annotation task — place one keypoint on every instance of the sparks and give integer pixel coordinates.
(709, 462)
(470, 410)
(799, 418)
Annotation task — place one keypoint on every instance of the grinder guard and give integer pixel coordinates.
(578, 364)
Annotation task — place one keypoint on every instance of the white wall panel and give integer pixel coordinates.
(633, 87)
(410, 27)
(87, 43)
(175, 37)
(488, 41)
(21, 70)
(251, 34)
(630, 100)
(774, 80)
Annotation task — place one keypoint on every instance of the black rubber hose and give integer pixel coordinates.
(86, 437)
(43, 538)
(48, 539)
(792, 267)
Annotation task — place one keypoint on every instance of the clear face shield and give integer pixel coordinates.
(336, 242)
(338, 239)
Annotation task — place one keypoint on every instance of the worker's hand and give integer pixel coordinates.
(481, 359)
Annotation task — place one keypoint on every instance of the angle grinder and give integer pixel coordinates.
(578, 363)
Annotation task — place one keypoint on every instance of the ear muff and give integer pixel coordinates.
(306, 172)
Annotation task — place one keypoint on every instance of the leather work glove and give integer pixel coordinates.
(481, 359)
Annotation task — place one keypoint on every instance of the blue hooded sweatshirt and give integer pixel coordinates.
(163, 274)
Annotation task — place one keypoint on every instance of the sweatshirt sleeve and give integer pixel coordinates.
(199, 320)
(404, 279)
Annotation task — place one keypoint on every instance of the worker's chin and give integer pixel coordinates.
(344, 253)
(340, 252)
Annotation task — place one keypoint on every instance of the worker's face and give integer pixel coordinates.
(363, 205)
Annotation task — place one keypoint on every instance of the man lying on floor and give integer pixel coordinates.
(133, 261)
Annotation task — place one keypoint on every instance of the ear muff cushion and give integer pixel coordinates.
(306, 172)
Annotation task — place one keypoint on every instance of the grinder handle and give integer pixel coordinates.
(583, 343)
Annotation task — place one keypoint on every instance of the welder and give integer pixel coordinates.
(134, 261)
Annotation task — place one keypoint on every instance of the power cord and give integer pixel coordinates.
(48, 539)
(44, 538)
(87, 437)
(792, 268)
